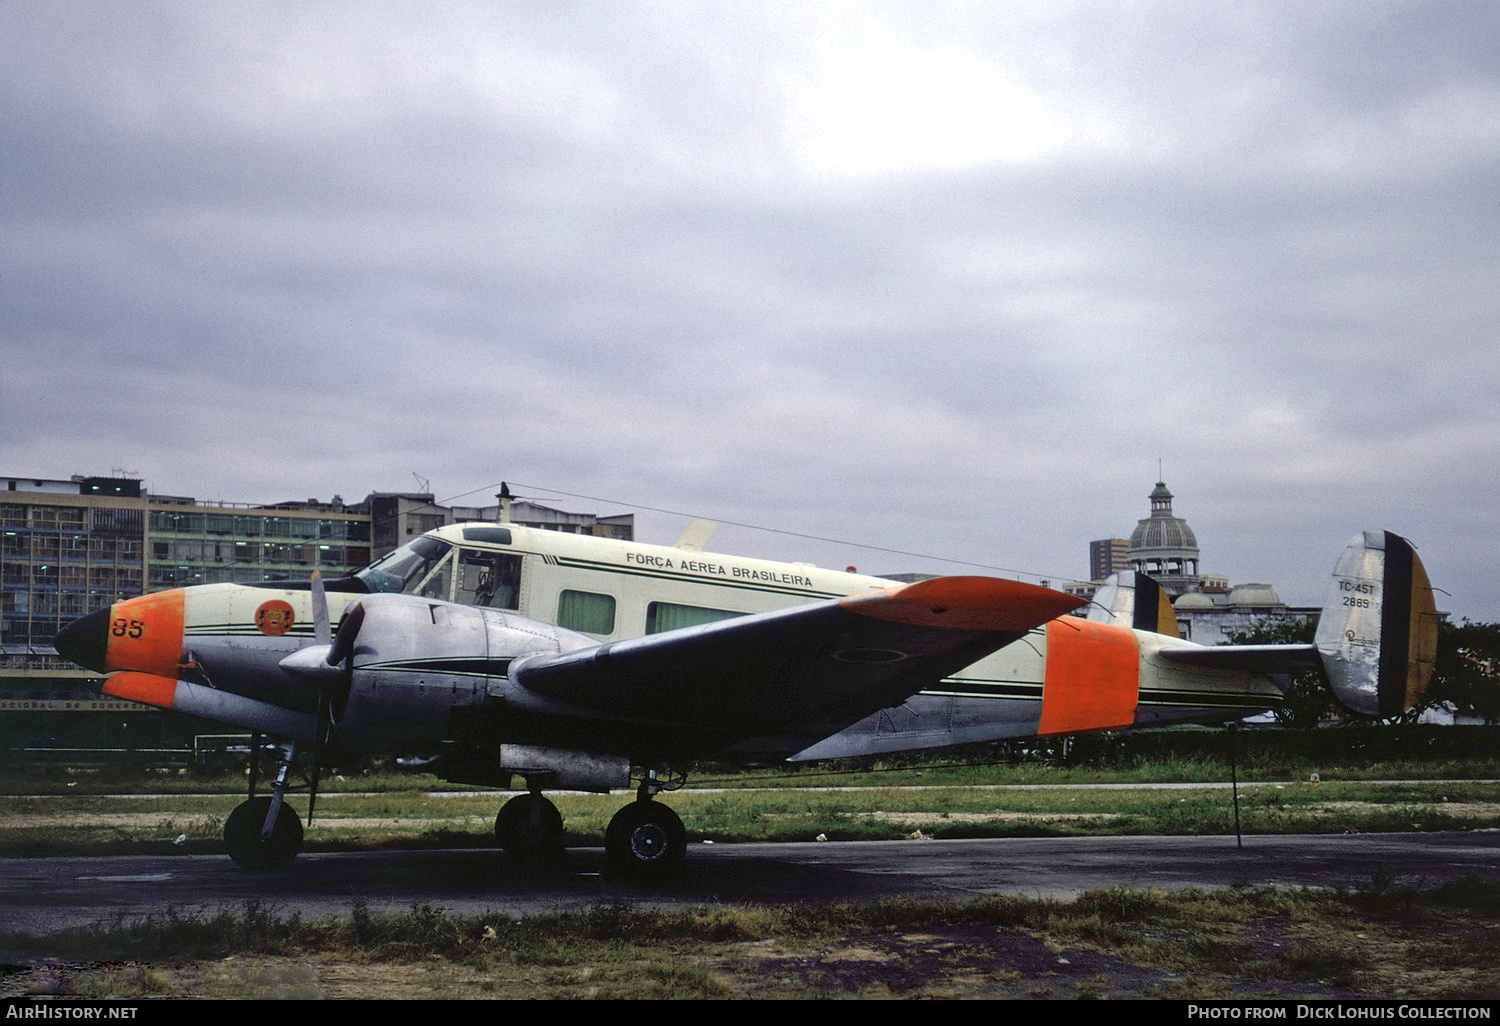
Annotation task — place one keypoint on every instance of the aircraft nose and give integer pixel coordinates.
(85, 641)
(142, 634)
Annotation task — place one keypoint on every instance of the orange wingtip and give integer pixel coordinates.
(146, 688)
(965, 603)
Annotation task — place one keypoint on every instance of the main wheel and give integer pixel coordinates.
(645, 836)
(242, 832)
(530, 829)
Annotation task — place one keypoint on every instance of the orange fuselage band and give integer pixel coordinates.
(145, 634)
(1092, 678)
(146, 688)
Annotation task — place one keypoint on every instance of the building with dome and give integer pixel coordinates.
(1208, 608)
(1164, 546)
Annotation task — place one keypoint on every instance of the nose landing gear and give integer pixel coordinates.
(264, 832)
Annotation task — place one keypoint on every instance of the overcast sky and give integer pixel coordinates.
(944, 278)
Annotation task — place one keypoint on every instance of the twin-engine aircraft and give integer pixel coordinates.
(567, 660)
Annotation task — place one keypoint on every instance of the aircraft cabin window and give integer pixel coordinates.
(491, 579)
(586, 611)
(668, 616)
(489, 535)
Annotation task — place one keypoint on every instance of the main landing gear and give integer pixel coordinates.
(645, 837)
(264, 832)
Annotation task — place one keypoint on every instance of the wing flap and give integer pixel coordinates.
(833, 661)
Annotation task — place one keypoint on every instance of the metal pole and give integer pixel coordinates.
(1234, 781)
(255, 742)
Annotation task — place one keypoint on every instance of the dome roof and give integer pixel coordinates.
(1163, 533)
(1254, 595)
(1194, 600)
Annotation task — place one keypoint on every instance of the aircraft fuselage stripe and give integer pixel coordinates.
(684, 578)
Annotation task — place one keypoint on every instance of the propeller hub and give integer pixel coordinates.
(311, 664)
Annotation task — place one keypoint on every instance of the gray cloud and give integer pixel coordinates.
(944, 278)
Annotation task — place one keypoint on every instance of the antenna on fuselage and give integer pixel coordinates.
(504, 496)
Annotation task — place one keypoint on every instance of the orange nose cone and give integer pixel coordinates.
(145, 634)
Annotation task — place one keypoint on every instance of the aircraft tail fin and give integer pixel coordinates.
(1132, 599)
(1377, 634)
(1376, 638)
(695, 535)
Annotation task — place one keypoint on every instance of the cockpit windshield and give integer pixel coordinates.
(416, 568)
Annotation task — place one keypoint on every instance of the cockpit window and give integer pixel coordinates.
(414, 568)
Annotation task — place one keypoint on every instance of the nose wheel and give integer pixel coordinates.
(645, 837)
(264, 832)
(252, 845)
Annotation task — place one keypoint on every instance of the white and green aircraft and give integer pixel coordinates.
(569, 661)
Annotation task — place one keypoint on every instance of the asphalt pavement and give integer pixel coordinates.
(53, 894)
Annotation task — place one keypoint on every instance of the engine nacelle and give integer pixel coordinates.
(415, 662)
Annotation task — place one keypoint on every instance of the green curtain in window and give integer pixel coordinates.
(666, 616)
(586, 612)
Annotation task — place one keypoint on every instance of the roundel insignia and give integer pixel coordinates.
(275, 617)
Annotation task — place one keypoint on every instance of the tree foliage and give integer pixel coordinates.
(1468, 668)
(1307, 699)
(1467, 674)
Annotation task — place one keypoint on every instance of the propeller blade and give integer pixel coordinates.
(343, 642)
(322, 635)
(332, 688)
(320, 737)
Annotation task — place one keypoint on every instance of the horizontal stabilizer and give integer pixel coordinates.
(1247, 658)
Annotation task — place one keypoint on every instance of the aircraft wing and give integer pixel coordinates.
(798, 669)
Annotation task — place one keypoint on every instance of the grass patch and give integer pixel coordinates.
(1112, 943)
(90, 824)
(1148, 756)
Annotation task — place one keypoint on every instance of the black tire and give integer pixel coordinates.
(242, 835)
(530, 829)
(645, 837)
